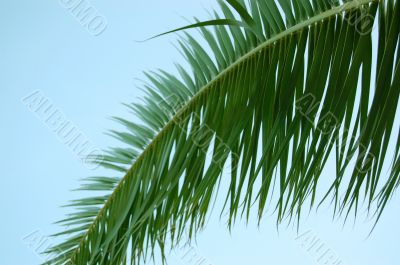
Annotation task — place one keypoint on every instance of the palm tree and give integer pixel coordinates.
(287, 84)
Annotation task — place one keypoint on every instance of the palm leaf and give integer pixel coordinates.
(288, 84)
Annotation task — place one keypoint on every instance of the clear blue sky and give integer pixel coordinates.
(43, 47)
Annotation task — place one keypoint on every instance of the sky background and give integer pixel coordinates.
(43, 47)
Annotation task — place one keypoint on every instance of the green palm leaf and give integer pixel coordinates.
(288, 84)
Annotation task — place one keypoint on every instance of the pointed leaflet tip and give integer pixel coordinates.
(214, 22)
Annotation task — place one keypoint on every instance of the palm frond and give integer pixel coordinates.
(285, 87)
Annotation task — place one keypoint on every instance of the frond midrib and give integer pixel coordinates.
(281, 36)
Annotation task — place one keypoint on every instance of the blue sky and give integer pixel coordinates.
(44, 48)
